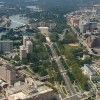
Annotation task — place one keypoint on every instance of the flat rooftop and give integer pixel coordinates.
(89, 67)
(17, 96)
(43, 27)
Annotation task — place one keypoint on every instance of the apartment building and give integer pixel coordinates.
(6, 46)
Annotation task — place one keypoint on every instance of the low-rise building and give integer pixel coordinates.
(88, 70)
(29, 90)
(95, 78)
(44, 30)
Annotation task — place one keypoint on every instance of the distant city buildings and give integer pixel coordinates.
(93, 42)
(6, 46)
(34, 8)
(82, 24)
(73, 20)
(87, 22)
(40, 24)
(49, 25)
(88, 26)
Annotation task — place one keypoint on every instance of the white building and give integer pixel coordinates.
(25, 38)
(22, 52)
(87, 26)
(29, 47)
(26, 48)
(6, 46)
(88, 70)
(44, 30)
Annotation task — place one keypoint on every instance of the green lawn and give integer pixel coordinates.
(64, 90)
(76, 89)
(69, 48)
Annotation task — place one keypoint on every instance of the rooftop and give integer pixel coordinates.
(43, 27)
(17, 96)
(89, 67)
(6, 41)
(28, 42)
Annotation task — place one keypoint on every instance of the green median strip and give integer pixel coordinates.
(64, 90)
(76, 89)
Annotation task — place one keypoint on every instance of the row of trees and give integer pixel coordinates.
(77, 73)
(72, 59)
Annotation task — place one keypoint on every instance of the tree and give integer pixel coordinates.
(83, 80)
(29, 57)
(87, 60)
(54, 98)
(24, 61)
(42, 71)
(35, 68)
(78, 52)
(17, 58)
(54, 37)
(69, 38)
(40, 37)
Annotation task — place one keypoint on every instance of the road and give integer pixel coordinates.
(72, 95)
(68, 84)
(62, 35)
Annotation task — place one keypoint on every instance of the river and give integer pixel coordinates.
(17, 21)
